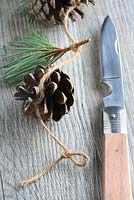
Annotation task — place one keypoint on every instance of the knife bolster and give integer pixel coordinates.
(116, 171)
(114, 119)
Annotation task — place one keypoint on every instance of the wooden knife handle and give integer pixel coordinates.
(116, 172)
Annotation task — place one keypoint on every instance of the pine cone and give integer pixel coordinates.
(53, 11)
(57, 98)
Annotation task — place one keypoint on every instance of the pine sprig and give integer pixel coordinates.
(32, 51)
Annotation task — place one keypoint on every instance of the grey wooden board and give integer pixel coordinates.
(25, 150)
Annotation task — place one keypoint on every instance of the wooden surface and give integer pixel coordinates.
(25, 150)
(116, 168)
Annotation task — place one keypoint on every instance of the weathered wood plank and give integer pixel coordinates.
(24, 150)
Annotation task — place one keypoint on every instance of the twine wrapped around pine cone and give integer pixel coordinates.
(54, 11)
(57, 98)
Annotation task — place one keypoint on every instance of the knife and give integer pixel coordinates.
(116, 170)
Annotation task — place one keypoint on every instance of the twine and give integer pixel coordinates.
(69, 35)
(74, 47)
(67, 153)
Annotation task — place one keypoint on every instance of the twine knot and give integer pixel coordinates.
(74, 47)
(67, 154)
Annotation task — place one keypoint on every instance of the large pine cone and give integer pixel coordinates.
(53, 11)
(57, 98)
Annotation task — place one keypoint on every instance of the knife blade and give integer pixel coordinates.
(116, 170)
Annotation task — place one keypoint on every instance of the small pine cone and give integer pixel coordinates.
(53, 11)
(57, 97)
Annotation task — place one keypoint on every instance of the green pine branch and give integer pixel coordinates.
(25, 54)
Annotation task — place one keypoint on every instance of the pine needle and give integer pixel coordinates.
(26, 53)
(22, 8)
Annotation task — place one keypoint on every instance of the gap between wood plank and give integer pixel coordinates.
(2, 188)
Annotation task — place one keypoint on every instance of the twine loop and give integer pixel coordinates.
(70, 155)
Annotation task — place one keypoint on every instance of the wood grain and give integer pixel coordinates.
(24, 150)
(116, 168)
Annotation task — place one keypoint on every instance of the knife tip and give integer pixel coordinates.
(108, 17)
(108, 25)
(108, 20)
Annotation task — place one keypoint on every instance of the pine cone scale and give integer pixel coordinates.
(51, 88)
(66, 86)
